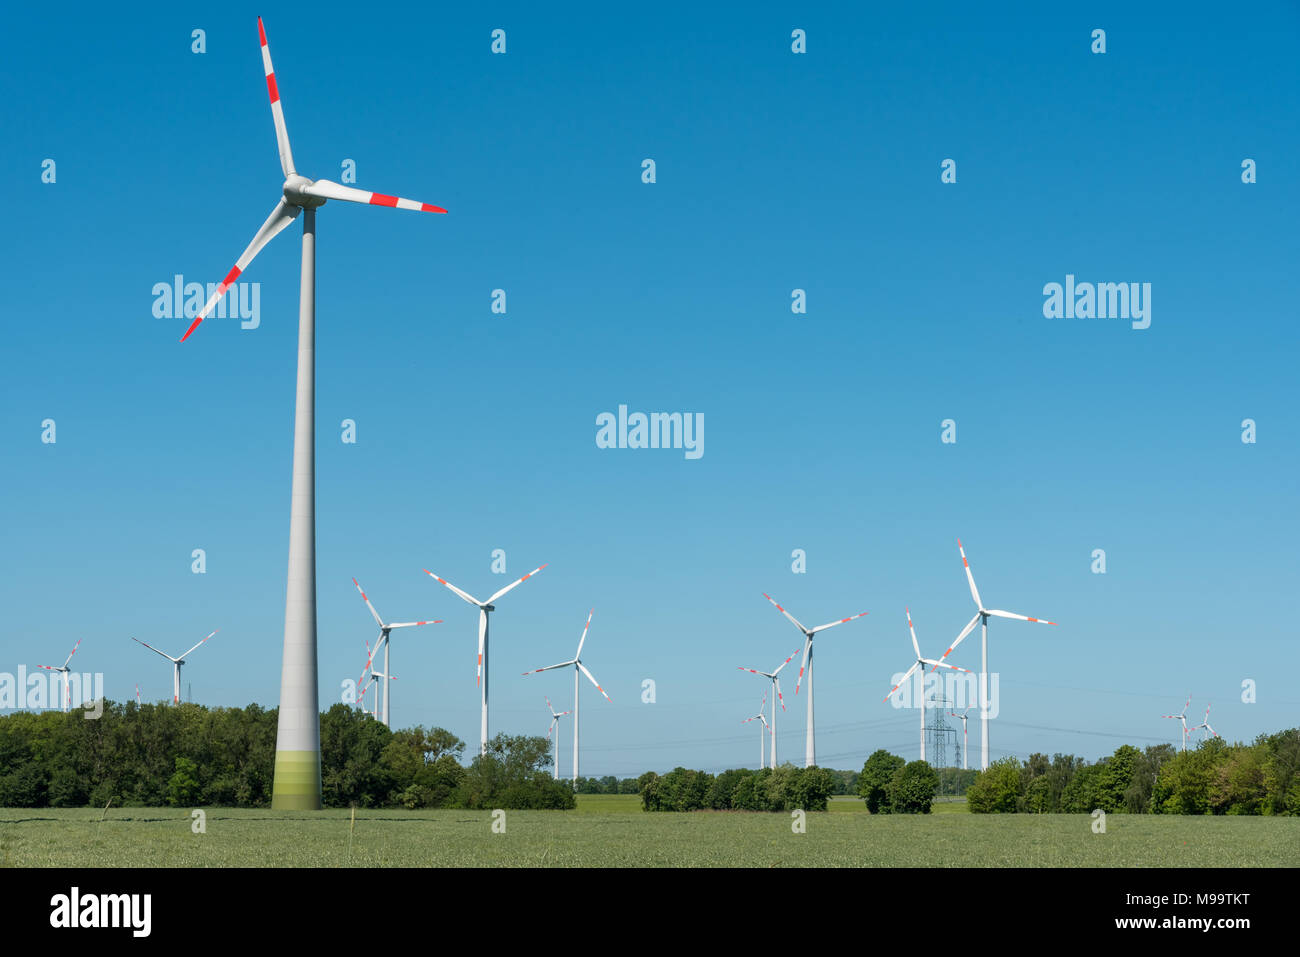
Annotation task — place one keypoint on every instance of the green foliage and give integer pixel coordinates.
(997, 790)
(912, 788)
(183, 786)
(874, 780)
(514, 774)
(784, 789)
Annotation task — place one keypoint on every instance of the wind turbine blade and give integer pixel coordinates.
(832, 624)
(554, 721)
(807, 644)
(562, 664)
(153, 649)
(514, 584)
(961, 637)
(277, 111)
(940, 664)
(465, 595)
(80, 640)
(280, 217)
(379, 621)
(777, 682)
(915, 646)
(326, 189)
(414, 624)
(201, 642)
(910, 672)
(974, 592)
(1007, 614)
(594, 681)
(786, 613)
(784, 663)
(583, 639)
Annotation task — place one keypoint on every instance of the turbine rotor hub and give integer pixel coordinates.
(294, 195)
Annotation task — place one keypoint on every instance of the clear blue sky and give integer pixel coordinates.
(477, 431)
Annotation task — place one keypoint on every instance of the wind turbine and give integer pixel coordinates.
(982, 619)
(296, 784)
(764, 727)
(776, 693)
(64, 670)
(1181, 718)
(370, 667)
(555, 720)
(577, 666)
(965, 737)
(484, 609)
(176, 662)
(921, 662)
(1205, 726)
(810, 751)
(384, 629)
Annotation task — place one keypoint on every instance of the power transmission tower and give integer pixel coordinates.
(938, 732)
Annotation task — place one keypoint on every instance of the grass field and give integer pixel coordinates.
(611, 830)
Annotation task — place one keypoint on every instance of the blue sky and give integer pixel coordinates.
(476, 431)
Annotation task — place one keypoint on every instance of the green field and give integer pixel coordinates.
(611, 830)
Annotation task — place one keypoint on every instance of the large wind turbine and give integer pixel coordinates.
(484, 609)
(1181, 718)
(810, 750)
(776, 694)
(64, 670)
(982, 619)
(176, 663)
(762, 750)
(577, 666)
(296, 785)
(555, 720)
(921, 662)
(384, 629)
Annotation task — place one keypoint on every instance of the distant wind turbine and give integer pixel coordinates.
(810, 749)
(1181, 718)
(555, 720)
(982, 619)
(176, 664)
(762, 750)
(485, 608)
(577, 666)
(776, 693)
(64, 670)
(383, 638)
(921, 662)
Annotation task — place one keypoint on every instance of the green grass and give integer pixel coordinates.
(611, 830)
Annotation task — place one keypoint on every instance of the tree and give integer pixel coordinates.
(810, 789)
(997, 789)
(874, 779)
(515, 773)
(912, 788)
(183, 786)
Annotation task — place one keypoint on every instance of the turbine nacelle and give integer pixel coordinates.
(294, 193)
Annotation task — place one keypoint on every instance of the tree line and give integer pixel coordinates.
(1214, 778)
(188, 755)
(785, 788)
